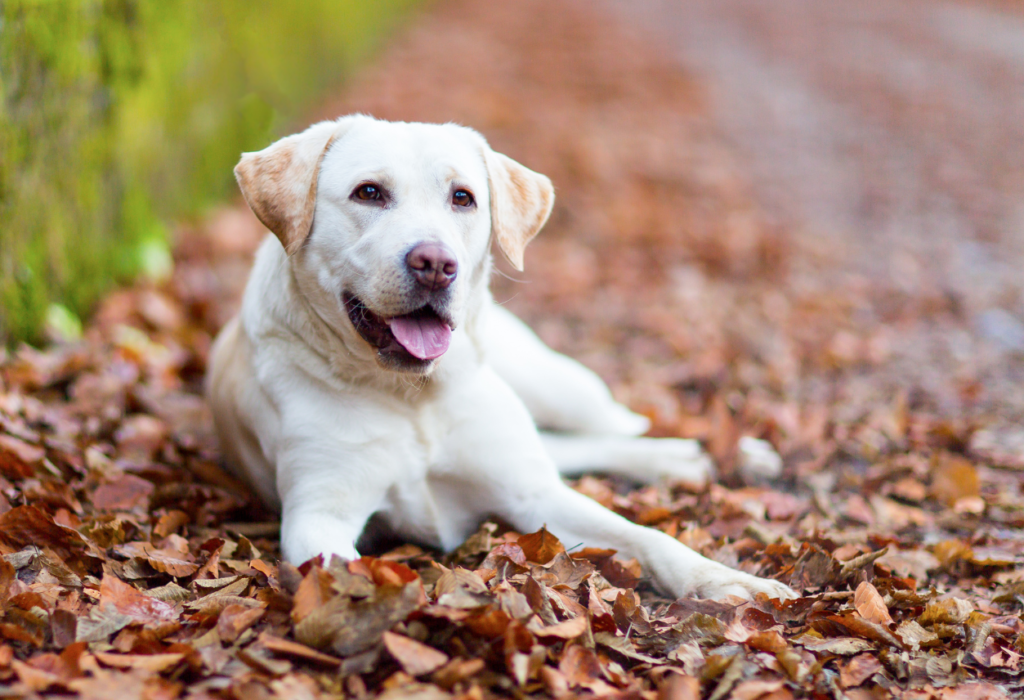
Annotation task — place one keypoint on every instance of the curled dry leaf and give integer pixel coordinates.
(127, 492)
(172, 558)
(417, 659)
(567, 629)
(28, 525)
(870, 605)
(236, 619)
(151, 663)
(132, 602)
(540, 547)
(950, 611)
(858, 669)
(295, 650)
(18, 458)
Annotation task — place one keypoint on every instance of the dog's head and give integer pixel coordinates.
(388, 225)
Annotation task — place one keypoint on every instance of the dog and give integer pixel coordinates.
(370, 372)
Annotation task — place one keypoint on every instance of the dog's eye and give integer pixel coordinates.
(368, 193)
(462, 198)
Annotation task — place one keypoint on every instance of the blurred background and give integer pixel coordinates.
(122, 118)
(801, 217)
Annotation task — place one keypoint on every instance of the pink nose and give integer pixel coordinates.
(433, 265)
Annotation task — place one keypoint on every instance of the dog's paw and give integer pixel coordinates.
(306, 535)
(722, 581)
(616, 419)
(674, 459)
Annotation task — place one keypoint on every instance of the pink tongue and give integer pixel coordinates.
(425, 337)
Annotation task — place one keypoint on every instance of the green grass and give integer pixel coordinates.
(120, 116)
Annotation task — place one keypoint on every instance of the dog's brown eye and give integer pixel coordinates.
(462, 198)
(368, 193)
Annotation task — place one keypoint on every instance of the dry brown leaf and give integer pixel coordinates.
(581, 669)
(755, 689)
(954, 478)
(236, 619)
(859, 669)
(127, 492)
(567, 629)
(18, 458)
(458, 670)
(540, 547)
(866, 629)
(769, 641)
(151, 663)
(417, 659)
(132, 602)
(28, 525)
(172, 558)
(677, 686)
(170, 522)
(294, 649)
(914, 635)
(101, 623)
(950, 611)
(870, 605)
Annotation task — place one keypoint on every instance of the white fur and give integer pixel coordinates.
(319, 428)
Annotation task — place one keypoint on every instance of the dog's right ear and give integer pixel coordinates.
(279, 182)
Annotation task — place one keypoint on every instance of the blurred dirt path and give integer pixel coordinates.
(892, 133)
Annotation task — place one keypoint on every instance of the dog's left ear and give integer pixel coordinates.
(279, 182)
(521, 202)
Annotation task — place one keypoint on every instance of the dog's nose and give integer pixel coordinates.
(433, 265)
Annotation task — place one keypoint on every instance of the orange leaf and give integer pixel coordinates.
(540, 547)
(416, 659)
(134, 603)
(567, 629)
(870, 605)
(236, 619)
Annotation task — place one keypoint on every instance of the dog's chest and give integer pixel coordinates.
(431, 426)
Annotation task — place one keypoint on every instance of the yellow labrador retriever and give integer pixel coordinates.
(370, 371)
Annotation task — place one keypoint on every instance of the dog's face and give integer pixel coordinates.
(388, 226)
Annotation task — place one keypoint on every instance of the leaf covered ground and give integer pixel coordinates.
(134, 566)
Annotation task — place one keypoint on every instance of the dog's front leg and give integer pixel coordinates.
(333, 472)
(500, 467)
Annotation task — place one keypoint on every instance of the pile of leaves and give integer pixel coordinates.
(134, 566)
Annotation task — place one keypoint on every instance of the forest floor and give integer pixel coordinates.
(134, 566)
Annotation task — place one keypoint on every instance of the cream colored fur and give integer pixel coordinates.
(322, 428)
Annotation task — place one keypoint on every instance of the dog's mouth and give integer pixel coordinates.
(416, 338)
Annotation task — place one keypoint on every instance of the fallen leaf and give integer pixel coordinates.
(676, 686)
(415, 658)
(151, 663)
(132, 602)
(172, 558)
(236, 619)
(101, 623)
(870, 605)
(954, 478)
(949, 611)
(18, 458)
(754, 689)
(567, 629)
(540, 547)
(128, 492)
(286, 647)
(858, 669)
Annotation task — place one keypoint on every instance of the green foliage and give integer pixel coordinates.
(120, 115)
